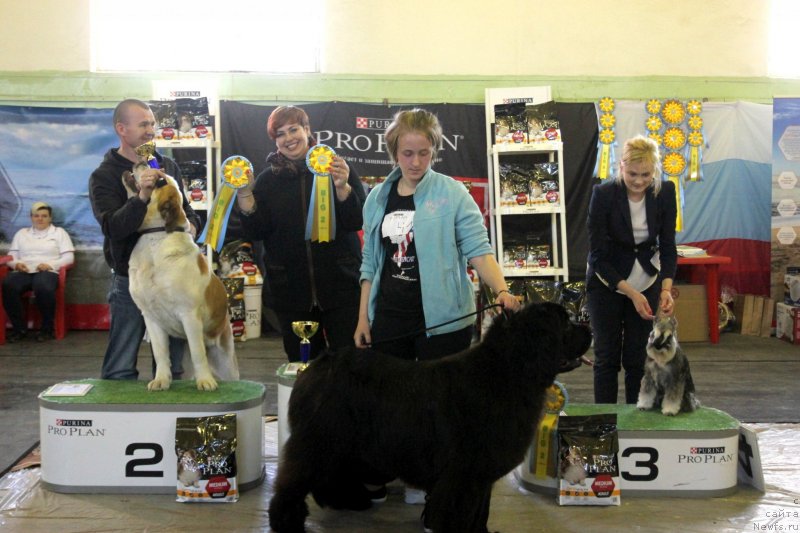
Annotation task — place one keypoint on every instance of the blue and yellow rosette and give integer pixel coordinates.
(321, 221)
(236, 172)
(695, 139)
(606, 137)
(555, 401)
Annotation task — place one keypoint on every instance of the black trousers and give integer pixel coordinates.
(336, 329)
(620, 341)
(44, 285)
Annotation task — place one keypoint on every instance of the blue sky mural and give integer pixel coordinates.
(47, 154)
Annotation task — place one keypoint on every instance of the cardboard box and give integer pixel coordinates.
(691, 311)
(787, 323)
(753, 314)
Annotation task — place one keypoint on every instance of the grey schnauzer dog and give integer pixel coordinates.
(667, 381)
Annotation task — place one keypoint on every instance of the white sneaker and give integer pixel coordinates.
(414, 496)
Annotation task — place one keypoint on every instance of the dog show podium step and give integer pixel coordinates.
(120, 437)
(688, 455)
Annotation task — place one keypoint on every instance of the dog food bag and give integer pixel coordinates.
(588, 469)
(206, 450)
(236, 308)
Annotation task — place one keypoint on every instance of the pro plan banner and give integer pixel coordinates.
(356, 133)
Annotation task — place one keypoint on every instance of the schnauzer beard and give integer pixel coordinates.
(663, 341)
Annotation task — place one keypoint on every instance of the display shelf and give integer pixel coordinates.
(212, 159)
(527, 222)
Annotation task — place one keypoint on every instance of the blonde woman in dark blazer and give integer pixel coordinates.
(631, 265)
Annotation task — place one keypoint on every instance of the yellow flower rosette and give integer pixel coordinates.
(607, 120)
(236, 171)
(606, 104)
(674, 164)
(673, 112)
(319, 159)
(695, 122)
(695, 138)
(607, 136)
(694, 107)
(653, 106)
(653, 123)
(674, 138)
(656, 137)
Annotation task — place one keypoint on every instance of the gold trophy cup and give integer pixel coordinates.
(305, 329)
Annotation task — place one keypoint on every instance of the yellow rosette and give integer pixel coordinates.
(236, 172)
(653, 123)
(555, 401)
(607, 120)
(673, 112)
(656, 137)
(696, 140)
(694, 107)
(653, 106)
(321, 221)
(606, 137)
(674, 138)
(606, 104)
(674, 164)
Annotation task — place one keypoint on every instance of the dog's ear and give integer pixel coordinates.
(129, 181)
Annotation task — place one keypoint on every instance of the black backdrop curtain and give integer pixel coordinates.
(353, 130)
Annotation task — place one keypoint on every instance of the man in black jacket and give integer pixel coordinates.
(120, 218)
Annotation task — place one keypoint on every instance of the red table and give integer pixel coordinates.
(711, 264)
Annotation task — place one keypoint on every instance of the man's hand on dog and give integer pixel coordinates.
(147, 182)
(508, 301)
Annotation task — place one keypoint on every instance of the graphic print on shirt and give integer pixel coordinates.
(398, 227)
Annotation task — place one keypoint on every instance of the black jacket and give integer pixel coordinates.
(119, 216)
(612, 250)
(301, 274)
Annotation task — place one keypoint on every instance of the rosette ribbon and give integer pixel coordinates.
(147, 152)
(555, 401)
(606, 137)
(696, 139)
(236, 172)
(321, 221)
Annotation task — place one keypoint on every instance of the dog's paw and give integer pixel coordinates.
(642, 406)
(206, 383)
(668, 411)
(159, 384)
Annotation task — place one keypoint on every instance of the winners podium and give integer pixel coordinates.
(688, 455)
(120, 437)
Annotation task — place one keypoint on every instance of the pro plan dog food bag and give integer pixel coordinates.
(206, 450)
(588, 469)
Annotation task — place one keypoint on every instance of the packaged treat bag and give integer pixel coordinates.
(206, 450)
(588, 469)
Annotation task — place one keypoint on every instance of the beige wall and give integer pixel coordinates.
(708, 38)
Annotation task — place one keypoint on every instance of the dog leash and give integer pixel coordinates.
(423, 330)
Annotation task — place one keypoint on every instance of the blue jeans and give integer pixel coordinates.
(126, 333)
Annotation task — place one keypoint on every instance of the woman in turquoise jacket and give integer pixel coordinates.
(420, 230)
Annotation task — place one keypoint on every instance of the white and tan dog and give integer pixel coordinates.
(179, 296)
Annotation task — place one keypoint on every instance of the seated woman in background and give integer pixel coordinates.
(37, 254)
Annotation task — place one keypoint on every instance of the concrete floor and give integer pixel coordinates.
(753, 379)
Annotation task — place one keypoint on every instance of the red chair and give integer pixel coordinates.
(60, 319)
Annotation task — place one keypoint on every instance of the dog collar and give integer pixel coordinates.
(156, 230)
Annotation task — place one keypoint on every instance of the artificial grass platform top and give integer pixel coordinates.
(629, 418)
(183, 391)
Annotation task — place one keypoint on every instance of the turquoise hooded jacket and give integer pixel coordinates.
(448, 231)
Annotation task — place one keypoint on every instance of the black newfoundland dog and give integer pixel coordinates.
(451, 427)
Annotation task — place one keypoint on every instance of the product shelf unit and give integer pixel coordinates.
(212, 158)
(521, 214)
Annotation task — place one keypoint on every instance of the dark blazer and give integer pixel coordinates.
(612, 250)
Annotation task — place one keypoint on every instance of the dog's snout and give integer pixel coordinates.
(161, 182)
